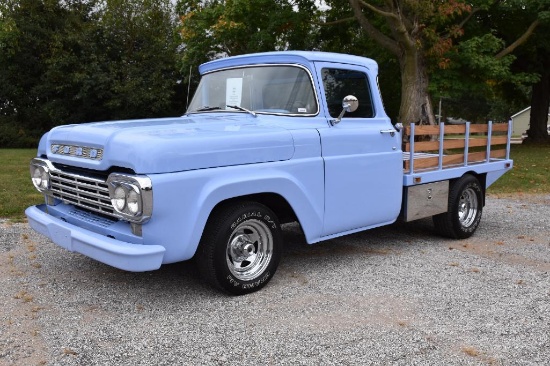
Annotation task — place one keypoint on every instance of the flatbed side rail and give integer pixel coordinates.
(454, 146)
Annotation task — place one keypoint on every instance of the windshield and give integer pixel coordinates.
(258, 89)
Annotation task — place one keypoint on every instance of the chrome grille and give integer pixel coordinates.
(81, 191)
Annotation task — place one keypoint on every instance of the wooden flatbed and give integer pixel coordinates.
(454, 146)
(435, 153)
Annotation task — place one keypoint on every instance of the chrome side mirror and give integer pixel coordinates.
(349, 104)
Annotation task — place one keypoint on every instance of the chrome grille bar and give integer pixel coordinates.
(81, 191)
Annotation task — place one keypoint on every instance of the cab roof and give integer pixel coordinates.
(305, 58)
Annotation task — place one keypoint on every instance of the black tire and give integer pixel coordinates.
(465, 209)
(240, 248)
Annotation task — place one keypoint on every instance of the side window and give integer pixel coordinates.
(338, 83)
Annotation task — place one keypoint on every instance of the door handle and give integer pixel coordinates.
(391, 132)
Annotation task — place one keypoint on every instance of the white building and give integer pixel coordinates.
(521, 121)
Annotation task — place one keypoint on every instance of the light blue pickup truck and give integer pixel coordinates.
(268, 139)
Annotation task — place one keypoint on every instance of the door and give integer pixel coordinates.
(362, 157)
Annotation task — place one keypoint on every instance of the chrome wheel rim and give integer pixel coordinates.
(249, 250)
(467, 207)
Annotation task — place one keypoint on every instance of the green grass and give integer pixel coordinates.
(531, 172)
(16, 189)
(531, 175)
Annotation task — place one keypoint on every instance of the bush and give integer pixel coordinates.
(13, 136)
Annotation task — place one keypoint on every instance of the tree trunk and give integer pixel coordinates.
(416, 104)
(540, 103)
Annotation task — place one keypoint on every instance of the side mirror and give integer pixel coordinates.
(349, 104)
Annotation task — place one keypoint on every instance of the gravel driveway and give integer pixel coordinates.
(395, 295)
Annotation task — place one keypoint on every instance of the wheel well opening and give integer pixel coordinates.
(278, 204)
(482, 178)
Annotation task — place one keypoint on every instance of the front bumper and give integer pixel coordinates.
(116, 253)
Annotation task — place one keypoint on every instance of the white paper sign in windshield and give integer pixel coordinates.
(234, 91)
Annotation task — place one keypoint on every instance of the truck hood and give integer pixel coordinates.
(169, 145)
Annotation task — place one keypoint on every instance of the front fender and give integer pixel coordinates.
(184, 201)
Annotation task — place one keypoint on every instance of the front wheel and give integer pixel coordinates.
(464, 211)
(241, 247)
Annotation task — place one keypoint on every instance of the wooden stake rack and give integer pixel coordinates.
(454, 145)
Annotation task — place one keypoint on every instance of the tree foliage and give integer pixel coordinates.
(532, 57)
(443, 47)
(482, 80)
(217, 28)
(416, 33)
(76, 61)
(72, 61)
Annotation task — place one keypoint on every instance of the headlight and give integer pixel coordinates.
(133, 202)
(119, 198)
(131, 196)
(40, 175)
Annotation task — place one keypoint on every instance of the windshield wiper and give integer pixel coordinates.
(238, 107)
(206, 108)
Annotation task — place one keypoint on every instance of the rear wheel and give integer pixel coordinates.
(241, 247)
(465, 209)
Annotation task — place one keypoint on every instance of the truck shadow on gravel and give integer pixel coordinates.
(391, 238)
(181, 280)
(395, 239)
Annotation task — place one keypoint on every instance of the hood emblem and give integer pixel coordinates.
(77, 151)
